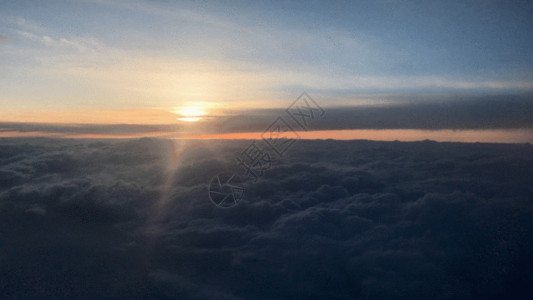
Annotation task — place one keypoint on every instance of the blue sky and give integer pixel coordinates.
(116, 55)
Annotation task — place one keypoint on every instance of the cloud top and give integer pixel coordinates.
(332, 219)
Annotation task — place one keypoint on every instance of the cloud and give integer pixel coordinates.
(29, 30)
(406, 112)
(397, 112)
(79, 44)
(4, 39)
(332, 219)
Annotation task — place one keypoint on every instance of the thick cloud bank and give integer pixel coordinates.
(87, 219)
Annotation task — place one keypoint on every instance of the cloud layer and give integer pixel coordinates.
(331, 220)
(388, 112)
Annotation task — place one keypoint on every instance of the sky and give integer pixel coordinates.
(144, 62)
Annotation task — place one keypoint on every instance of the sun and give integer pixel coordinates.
(190, 113)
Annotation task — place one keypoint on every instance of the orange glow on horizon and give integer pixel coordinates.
(405, 135)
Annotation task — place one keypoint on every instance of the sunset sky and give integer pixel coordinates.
(166, 62)
(230, 150)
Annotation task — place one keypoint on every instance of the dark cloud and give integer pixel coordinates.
(86, 128)
(403, 112)
(93, 219)
(473, 113)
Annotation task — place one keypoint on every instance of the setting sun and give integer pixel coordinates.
(191, 113)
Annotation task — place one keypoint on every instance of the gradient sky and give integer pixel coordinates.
(76, 60)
